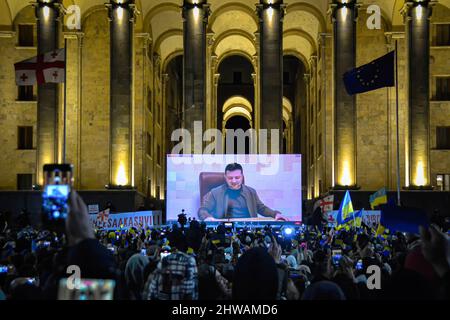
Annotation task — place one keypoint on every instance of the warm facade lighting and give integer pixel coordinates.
(344, 13)
(196, 13)
(346, 179)
(419, 12)
(121, 177)
(270, 13)
(46, 12)
(120, 13)
(419, 179)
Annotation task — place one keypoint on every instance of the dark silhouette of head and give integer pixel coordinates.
(255, 276)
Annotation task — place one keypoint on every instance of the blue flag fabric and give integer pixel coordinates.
(403, 219)
(376, 74)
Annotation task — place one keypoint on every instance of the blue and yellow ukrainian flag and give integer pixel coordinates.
(345, 209)
(357, 218)
(380, 230)
(346, 216)
(378, 198)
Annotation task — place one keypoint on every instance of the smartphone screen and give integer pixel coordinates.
(87, 289)
(359, 265)
(3, 269)
(336, 257)
(58, 180)
(164, 254)
(55, 202)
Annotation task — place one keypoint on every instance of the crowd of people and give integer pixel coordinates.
(224, 263)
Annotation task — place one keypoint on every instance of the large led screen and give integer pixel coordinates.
(234, 187)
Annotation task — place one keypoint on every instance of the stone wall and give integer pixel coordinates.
(15, 113)
(95, 102)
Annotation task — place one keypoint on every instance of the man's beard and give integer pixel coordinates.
(238, 187)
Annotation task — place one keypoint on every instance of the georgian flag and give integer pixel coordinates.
(45, 68)
(326, 204)
(103, 216)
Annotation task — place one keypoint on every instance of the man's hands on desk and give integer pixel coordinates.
(278, 217)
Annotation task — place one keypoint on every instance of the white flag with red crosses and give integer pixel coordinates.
(45, 68)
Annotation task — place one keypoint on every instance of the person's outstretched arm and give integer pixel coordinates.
(85, 251)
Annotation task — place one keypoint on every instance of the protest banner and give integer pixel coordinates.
(370, 218)
(140, 219)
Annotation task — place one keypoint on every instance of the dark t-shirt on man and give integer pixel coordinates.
(236, 206)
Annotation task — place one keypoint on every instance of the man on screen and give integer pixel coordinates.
(234, 199)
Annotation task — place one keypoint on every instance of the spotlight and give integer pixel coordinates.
(288, 231)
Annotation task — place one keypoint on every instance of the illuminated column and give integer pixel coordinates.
(121, 14)
(313, 99)
(307, 161)
(256, 104)
(256, 82)
(47, 20)
(195, 19)
(215, 106)
(344, 13)
(418, 41)
(210, 70)
(271, 13)
(214, 85)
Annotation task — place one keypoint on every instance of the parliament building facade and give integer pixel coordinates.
(137, 70)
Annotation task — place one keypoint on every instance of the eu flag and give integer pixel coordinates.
(376, 74)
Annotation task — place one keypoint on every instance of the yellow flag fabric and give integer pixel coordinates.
(378, 198)
(380, 230)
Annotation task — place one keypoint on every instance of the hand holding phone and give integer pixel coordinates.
(78, 227)
(55, 196)
(336, 257)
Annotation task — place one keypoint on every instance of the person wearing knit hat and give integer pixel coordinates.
(134, 275)
(323, 290)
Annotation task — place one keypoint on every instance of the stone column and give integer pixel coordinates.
(121, 14)
(210, 70)
(417, 22)
(256, 101)
(313, 99)
(164, 86)
(195, 19)
(271, 13)
(256, 82)
(307, 161)
(47, 20)
(80, 108)
(214, 84)
(344, 13)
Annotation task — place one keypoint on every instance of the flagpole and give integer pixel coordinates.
(65, 100)
(396, 120)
